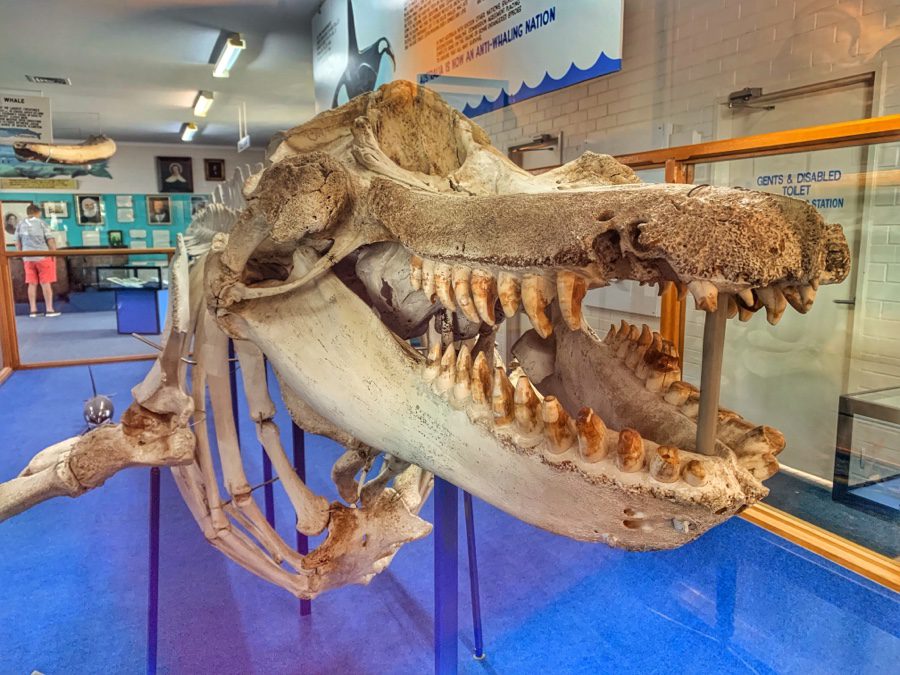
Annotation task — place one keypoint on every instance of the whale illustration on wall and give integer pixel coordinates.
(363, 65)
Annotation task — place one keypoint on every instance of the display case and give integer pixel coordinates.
(131, 277)
(867, 452)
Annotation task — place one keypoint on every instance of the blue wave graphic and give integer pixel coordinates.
(603, 66)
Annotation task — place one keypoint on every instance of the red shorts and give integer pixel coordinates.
(41, 272)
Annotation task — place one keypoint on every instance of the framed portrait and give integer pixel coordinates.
(176, 174)
(198, 203)
(116, 239)
(55, 209)
(90, 209)
(159, 210)
(12, 213)
(214, 169)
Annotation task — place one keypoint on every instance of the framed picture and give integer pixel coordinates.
(176, 174)
(214, 169)
(12, 213)
(116, 239)
(198, 203)
(57, 209)
(125, 215)
(90, 209)
(124, 201)
(159, 210)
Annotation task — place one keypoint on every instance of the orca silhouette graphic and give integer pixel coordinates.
(362, 65)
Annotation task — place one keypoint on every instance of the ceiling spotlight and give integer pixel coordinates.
(229, 54)
(203, 103)
(188, 130)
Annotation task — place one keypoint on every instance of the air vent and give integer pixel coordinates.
(41, 79)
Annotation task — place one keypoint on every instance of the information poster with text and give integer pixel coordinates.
(25, 118)
(480, 55)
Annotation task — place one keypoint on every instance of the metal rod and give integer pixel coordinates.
(268, 488)
(298, 439)
(473, 577)
(232, 379)
(711, 376)
(446, 581)
(153, 583)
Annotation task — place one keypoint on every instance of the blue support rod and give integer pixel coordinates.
(153, 582)
(298, 439)
(446, 581)
(473, 577)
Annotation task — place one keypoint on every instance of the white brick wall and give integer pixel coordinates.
(681, 59)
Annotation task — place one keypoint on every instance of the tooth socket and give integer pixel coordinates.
(559, 426)
(694, 473)
(415, 272)
(502, 399)
(630, 451)
(462, 291)
(591, 435)
(679, 393)
(484, 293)
(509, 288)
(481, 381)
(571, 289)
(762, 467)
(527, 408)
(443, 285)
(428, 279)
(537, 293)
(665, 464)
(447, 376)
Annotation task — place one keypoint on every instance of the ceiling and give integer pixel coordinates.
(136, 65)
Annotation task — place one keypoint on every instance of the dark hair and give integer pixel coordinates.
(32, 209)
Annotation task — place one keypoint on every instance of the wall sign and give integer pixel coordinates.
(38, 184)
(481, 55)
(25, 118)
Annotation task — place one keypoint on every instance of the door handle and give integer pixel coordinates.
(851, 302)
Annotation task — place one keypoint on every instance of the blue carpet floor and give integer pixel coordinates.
(73, 580)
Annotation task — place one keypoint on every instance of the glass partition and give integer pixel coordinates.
(797, 375)
(97, 300)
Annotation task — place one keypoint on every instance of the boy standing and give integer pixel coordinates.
(33, 234)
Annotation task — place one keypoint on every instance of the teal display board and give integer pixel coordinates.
(180, 216)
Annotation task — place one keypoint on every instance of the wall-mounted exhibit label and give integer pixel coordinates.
(25, 118)
(38, 184)
(480, 55)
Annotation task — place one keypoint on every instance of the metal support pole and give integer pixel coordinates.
(711, 376)
(153, 582)
(232, 378)
(473, 577)
(268, 487)
(446, 581)
(298, 439)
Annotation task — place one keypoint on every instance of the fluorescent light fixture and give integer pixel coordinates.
(229, 54)
(203, 103)
(188, 129)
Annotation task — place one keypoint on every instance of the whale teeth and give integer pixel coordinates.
(706, 295)
(571, 289)
(591, 435)
(510, 291)
(443, 286)
(462, 291)
(558, 425)
(665, 465)
(502, 398)
(630, 451)
(415, 272)
(537, 293)
(484, 292)
(527, 407)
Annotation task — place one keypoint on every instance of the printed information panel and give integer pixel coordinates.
(25, 118)
(480, 55)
